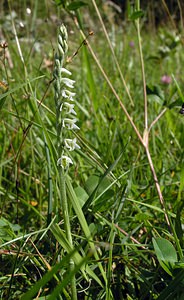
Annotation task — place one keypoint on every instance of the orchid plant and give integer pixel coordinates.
(65, 124)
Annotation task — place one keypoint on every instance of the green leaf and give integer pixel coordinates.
(166, 254)
(81, 195)
(155, 98)
(76, 5)
(7, 230)
(136, 15)
(155, 90)
(91, 184)
(176, 103)
(90, 200)
(103, 202)
(141, 217)
(165, 251)
(103, 185)
(60, 2)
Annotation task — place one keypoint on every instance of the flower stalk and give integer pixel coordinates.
(65, 123)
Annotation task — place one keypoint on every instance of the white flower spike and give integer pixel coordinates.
(64, 101)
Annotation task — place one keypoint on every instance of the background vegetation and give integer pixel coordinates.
(126, 245)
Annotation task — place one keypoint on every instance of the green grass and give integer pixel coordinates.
(119, 228)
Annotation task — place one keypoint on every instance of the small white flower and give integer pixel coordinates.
(69, 108)
(68, 82)
(21, 24)
(70, 123)
(71, 144)
(28, 10)
(68, 94)
(64, 161)
(65, 71)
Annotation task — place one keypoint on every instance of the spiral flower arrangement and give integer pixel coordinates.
(65, 124)
(64, 101)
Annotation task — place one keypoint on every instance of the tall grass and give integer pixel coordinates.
(123, 229)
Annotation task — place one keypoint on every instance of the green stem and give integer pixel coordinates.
(66, 218)
(64, 204)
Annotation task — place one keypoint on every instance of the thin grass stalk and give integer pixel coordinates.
(181, 15)
(129, 236)
(177, 241)
(142, 70)
(157, 118)
(146, 131)
(110, 263)
(33, 21)
(157, 186)
(169, 15)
